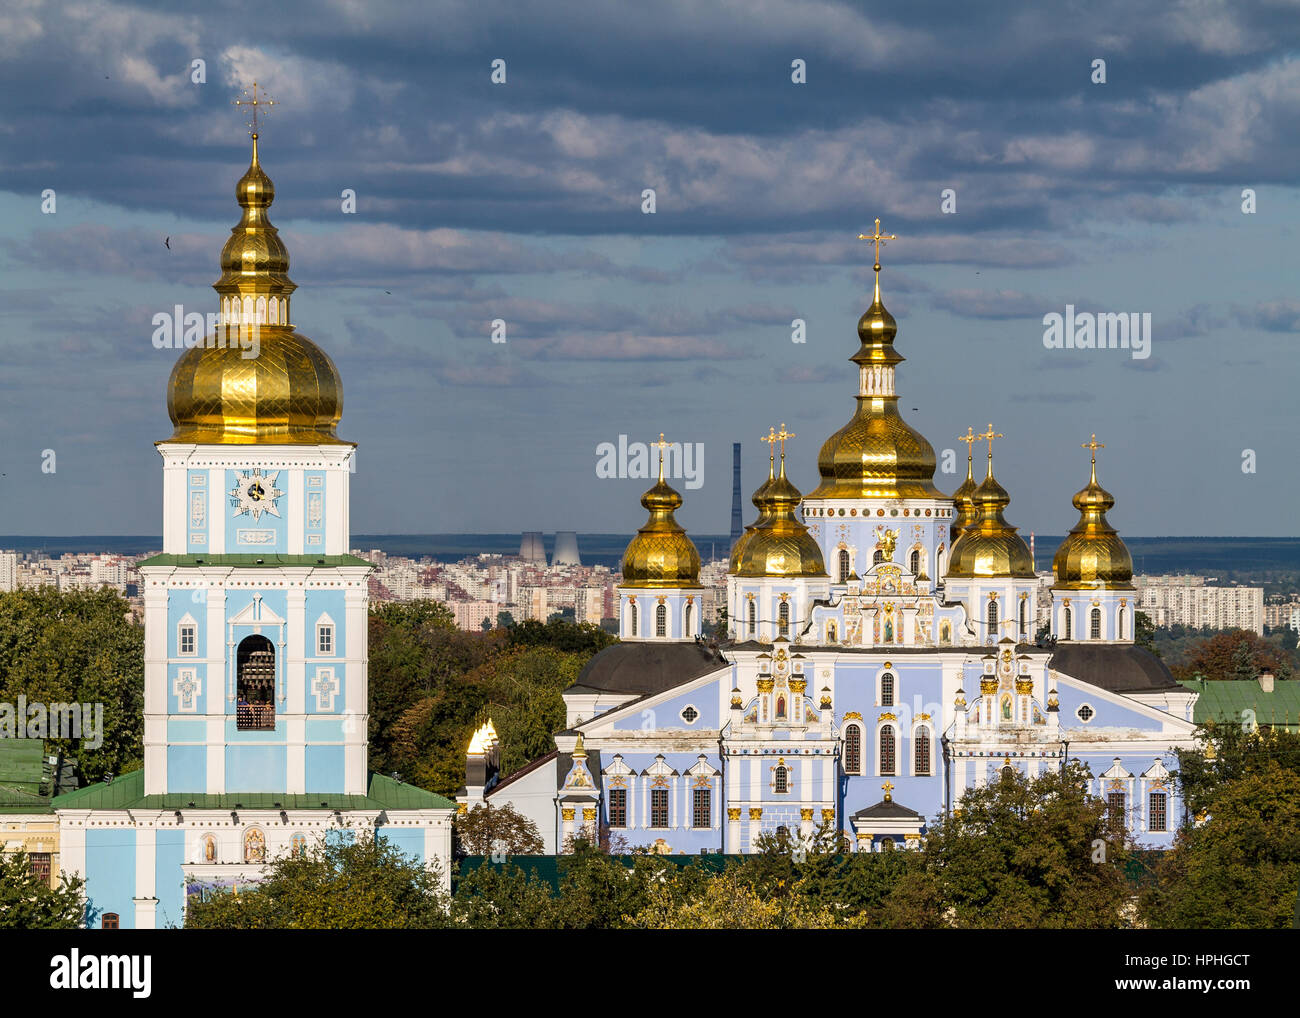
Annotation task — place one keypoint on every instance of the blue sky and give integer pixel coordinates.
(522, 201)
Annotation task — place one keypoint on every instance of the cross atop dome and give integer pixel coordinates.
(252, 101)
(877, 238)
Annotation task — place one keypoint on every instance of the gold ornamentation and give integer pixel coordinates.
(887, 716)
(798, 685)
(1024, 687)
(923, 717)
(828, 815)
(852, 716)
(733, 812)
(805, 814)
(567, 812)
(661, 555)
(888, 787)
(588, 814)
(1092, 556)
(988, 686)
(755, 812)
(765, 685)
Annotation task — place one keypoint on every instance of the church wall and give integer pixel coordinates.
(666, 714)
(324, 768)
(407, 840)
(1107, 713)
(187, 767)
(169, 882)
(110, 875)
(256, 768)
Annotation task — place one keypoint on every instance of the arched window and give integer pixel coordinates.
(1069, 625)
(853, 749)
(887, 845)
(780, 708)
(887, 750)
(915, 562)
(878, 557)
(844, 565)
(109, 921)
(254, 845)
(781, 783)
(1094, 624)
(255, 666)
(993, 620)
(661, 620)
(753, 618)
(686, 621)
(1024, 617)
(632, 611)
(887, 689)
(783, 618)
(1119, 625)
(921, 752)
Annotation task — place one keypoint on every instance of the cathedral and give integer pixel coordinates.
(256, 625)
(880, 658)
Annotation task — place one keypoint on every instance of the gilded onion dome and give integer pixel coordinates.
(965, 513)
(781, 544)
(876, 455)
(290, 392)
(762, 503)
(661, 555)
(990, 546)
(1092, 556)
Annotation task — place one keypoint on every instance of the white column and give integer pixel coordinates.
(217, 510)
(296, 521)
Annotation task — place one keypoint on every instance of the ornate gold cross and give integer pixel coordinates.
(970, 438)
(782, 435)
(877, 238)
(253, 102)
(1094, 445)
(662, 446)
(888, 787)
(990, 435)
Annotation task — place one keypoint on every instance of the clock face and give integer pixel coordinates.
(255, 493)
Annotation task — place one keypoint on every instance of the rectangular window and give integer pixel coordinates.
(39, 864)
(188, 639)
(1159, 815)
(1115, 809)
(702, 813)
(618, 807)
(658, 807)
(324, 640)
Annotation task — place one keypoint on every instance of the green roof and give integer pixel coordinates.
(127, 792)
(253, 561)
(25, 781)
(1227, 699)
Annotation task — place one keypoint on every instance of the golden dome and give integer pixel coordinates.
(781, 544)
(876, 455)
(763, 504)
(290, 393)
(990, 546)
(1092, 557)
(661, 555)
(965, 512)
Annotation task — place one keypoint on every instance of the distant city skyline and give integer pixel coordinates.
(1018, 185)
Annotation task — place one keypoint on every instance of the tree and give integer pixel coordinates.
(728, 902)
(27, 903)
(338, 882)
(1235, 654)
(562, 635)
(1240, 869)
(80, 647)
(505, 620)
(1018, 853)
(1226, 753)
(1144, 632)
(491, 897)
(488, 830)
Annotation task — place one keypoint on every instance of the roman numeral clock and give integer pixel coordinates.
(255, 493)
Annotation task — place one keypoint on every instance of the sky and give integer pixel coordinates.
(523, 201)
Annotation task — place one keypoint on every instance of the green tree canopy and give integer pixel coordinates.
(27, 903)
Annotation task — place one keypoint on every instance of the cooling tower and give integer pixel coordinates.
(532, 548)
(566, 549)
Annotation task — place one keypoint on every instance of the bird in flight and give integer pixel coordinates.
(168, 243)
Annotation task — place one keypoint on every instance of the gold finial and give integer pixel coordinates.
(1094, 445)
(877, 238)
(253, 102)
(888, 786)
(771, 439)
(662, 446)
(580, 749)
(990, 435)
